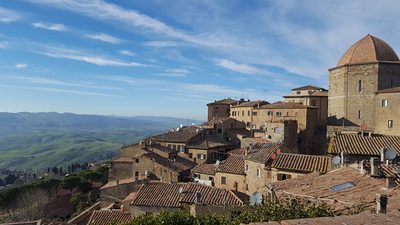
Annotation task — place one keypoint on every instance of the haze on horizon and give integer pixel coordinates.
(129, 58)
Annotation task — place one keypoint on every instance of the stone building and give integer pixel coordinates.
(230, 174)
(311, 96)
(208, 149)
(220, 109)
(359, 85)
(245, 112)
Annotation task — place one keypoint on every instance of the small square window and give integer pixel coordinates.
(279, 114)
(223, 180)
(258, 173)
(298, 92)
(384, 103)
(137, 160)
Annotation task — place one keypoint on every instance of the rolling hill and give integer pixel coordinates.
(41, 140)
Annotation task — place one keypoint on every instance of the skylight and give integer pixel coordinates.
(343, 186)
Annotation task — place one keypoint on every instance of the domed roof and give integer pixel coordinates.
(368, 49)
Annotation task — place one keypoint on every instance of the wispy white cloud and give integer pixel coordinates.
(61, 90)
(64, 53)
(127, 52)
(21, 65)
(50, 26)
(8, 16)
(160, 44)
(179, 72)
(237, 67)
(104, 37)
(3, 44)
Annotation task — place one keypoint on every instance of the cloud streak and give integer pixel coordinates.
(21, 65)
(237, 67)
(105, 38)
(8, 16)
(50, 26)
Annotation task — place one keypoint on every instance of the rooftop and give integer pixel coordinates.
(205, 169)
(354, 144)
(251, 104)
(389, 90)
(286, 105)
(233, 164)
(339, 188)
(261, 152)
(180, 135)
(368, 49)
(226, 101)
(106, 217)
(302, 163)
(179, 165)
(169, 195)
(308, 88)
(208, 142)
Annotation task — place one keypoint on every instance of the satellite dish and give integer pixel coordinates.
(256, 199)
(390, 154)
(336, 160)
(181, 126)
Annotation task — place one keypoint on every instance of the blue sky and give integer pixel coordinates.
(172, 57)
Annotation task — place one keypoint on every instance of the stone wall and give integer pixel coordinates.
(218, 111)
(253, 181)
(120, 171)
(386, 113)
(231, 181)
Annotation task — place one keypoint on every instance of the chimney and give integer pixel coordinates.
(198, 197)
(383, 151)
(390, 182)
(246, 150)
(374, 162)
(381, 203)
(362, 169)
(117, 182)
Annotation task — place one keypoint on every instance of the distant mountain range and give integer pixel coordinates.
(41, 140)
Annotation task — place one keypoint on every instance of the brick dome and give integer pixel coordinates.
(368, 49)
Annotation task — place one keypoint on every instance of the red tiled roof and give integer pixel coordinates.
(287, 105)
(251, 104)
(359, 145)
(307, 87)
(106, 217)
(368, 49)
(179, 165)
(168, 195)
(365, 218)
(205, 169)
(223, 102)
(233, 164)
(303, 163)
(261, 152)
(317, 187)
(208, 143)
(181, 136)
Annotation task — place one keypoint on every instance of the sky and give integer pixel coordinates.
(170, 58)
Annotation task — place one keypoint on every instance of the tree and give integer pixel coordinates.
(10, 179)
(54, 170)
(1, 182)
(71, 182)
(48, 170)
(61, 170)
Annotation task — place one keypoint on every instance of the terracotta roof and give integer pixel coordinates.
(318, 188)
(238, 151)
(261, 152)
(368, 49)
(113, 183)
(251, 104)
(162, 148)
(208, 143)
(233, 164)
(223, 102)
(181, 136)
(307, 87)
(286, 105)
(106, 217)
(365, 218)
(179, 165)
(205, 169)
(168, 195)
(389, 90)
(359, 145)
(303, 163)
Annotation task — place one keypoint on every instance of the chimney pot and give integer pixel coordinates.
(374, 161)
(381, 203)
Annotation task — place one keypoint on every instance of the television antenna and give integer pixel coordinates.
(256, 199)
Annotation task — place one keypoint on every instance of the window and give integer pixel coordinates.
(190, 155)
(360, 86)
(278, 114)
(242, 112)
(181, 148)
(219, 130)
(136, 174)
(258, 173)
(384, 103)
(170, 147)
(270, 113)
(254, 113)
(247, 167)
(137, 160)
(198, 176)
(340, 187)
(248, 113)
(298, 92)
(390, 123)
(201, 156)
(359, 114)
(223, 180)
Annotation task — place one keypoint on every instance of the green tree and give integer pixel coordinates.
(71, 182)
(1, 182)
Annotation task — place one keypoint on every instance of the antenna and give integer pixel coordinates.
(390, 154)
(336, 160)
